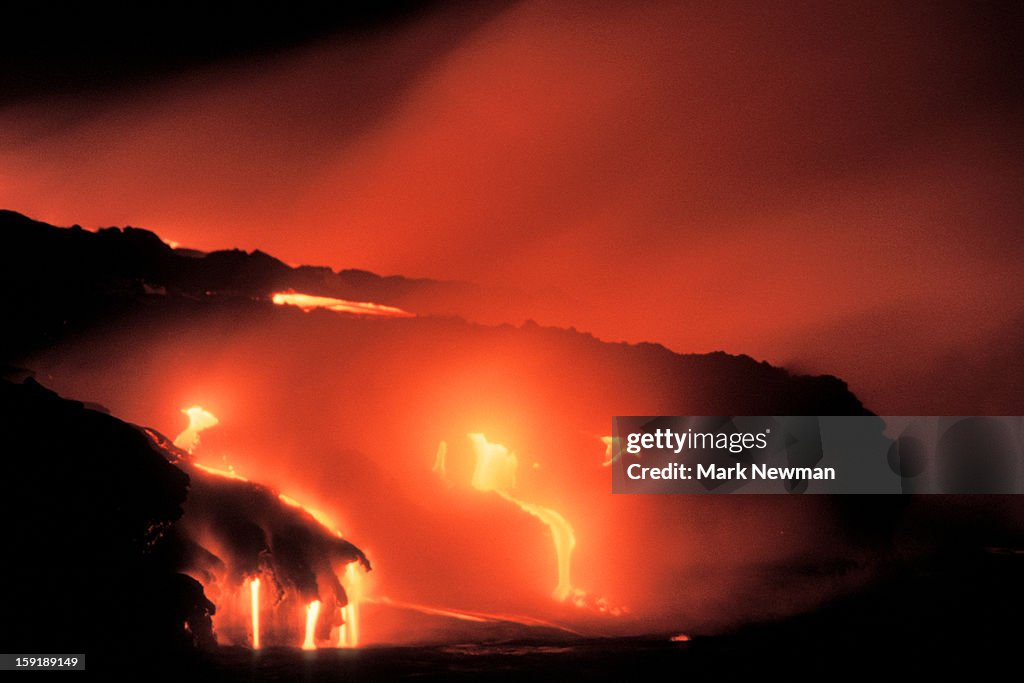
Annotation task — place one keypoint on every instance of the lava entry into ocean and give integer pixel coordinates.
(393, 268)
(283, 575)
(279, 574)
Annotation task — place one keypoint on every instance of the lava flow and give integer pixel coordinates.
(348, 632)
(198, 420)
(308, 302)
(278, 572)
(254, 589)
(496, 471)
(312, 614)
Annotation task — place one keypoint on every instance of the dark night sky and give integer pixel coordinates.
(63, 47)
(832, 187)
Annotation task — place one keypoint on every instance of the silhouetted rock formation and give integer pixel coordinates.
(97, 536)
(88, 501)
(120, 318)
(58, 280)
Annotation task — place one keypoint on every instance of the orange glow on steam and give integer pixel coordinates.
(308, 302)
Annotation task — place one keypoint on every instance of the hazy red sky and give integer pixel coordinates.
(832, 187)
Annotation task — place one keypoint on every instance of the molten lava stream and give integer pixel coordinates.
(198, 420)
(308, 302)
(312, 614)
(254, 590)
(495, 471)
(352, 580)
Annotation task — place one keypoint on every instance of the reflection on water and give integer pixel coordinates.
(485, 649)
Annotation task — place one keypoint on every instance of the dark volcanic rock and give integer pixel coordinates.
(88, 501)
(59, 280)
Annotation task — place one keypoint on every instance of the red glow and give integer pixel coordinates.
(827, 188)
(574, 138)
(347, 418)
(309, 302)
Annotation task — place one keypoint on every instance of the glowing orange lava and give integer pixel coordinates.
(609, 458)
(198, 420)
(229, 474)
(321, 517)
(254, 591)
(308, 302)
(312, 614)
(495, 471)
(352, 580)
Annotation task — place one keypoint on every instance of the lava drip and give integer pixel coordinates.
(272, 566)
(312, 614)
(254, 590)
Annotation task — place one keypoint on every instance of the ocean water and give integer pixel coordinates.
(601, 659)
